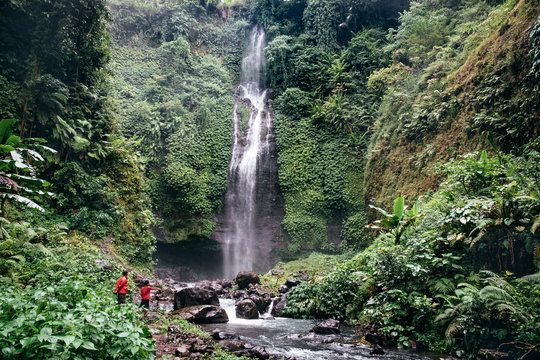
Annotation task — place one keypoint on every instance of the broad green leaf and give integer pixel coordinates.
(399, 205)
(134, 350)
(483, 156)
(89, 345)
(13, 140)
(6, 126)
(6, 148)
(23, 200)
(44, 334)
(35, 155)
(146, 331)
(77, 343)
(382, 211)
(29, 180)
(68, 339)
(33, 140)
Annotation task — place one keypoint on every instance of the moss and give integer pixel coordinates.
(488, 92)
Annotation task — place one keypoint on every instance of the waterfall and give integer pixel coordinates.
(242, 227)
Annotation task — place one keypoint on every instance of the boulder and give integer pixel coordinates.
(239, 294)
(218, 288)
(227, 284)
(279, 304)
(373, 339)
(221, 335)
(203, 314)
(491, 354)
(260, 302)
(377, 350)
(232, 345)
(104, 264)
(182, 351)
(253, 288)
(240, 348)
(291, 282)
(245, 278)
(194, 296)
(283, 289)
(256, 352)
(329, 326)
(246, 309)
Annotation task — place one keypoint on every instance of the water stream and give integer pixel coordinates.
(246, 229)
(291, 337)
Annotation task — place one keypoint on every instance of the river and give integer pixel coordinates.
(292, 337)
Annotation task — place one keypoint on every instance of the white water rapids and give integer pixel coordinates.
(250, 140)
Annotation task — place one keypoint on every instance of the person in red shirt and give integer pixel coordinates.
(145, 296)
(122, 287)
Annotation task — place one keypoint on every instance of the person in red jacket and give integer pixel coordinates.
(122, 287)
(145, 296)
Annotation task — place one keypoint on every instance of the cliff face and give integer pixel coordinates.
(491, 92)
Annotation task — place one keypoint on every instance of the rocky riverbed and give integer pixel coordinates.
(244, 319)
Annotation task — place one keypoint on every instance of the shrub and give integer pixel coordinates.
(68, 320)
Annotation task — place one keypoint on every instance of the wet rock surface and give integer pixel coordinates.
(325, 336)
(194, 296)
(246, 278)
(329, 326)
(246, 309)
(203, 314)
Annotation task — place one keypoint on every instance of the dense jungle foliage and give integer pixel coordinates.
(67, 181)
(451, 272)
(175, 65)
(116, 117)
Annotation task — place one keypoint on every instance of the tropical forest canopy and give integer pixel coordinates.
(410, 126)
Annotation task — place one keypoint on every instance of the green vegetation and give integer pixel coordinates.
(58, 124)
(375, 102)
(56, 299)
(459, 70)
(431, 288)
(56, 87)
(174, 85)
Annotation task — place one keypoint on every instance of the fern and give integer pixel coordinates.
(531, 278)
(443, 286)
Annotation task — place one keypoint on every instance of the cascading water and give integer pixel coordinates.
(247, 228)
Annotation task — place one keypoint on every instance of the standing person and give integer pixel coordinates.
(122, 287)
(145, 296)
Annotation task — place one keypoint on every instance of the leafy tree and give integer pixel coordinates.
(18, 178)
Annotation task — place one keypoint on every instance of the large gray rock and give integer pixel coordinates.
(203, 314)
(246, 309)
(194, 296)
(245, 278)
(221, 335)
(329, 326)
(291, 282)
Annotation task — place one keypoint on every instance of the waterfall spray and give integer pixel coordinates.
(250, 143)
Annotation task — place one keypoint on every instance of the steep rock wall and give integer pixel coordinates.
(490, 92)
